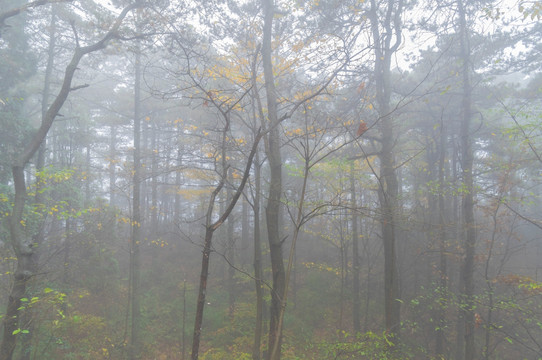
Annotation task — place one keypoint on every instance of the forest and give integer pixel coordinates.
(270, 179)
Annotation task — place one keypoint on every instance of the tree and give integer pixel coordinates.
(274, 158)
(20, 241)
(137, 220)
(467, 159)
(272, 210)
(386, 29)
(210, 227)
(309, 74)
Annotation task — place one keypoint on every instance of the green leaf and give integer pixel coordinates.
(15, 332)
(47, 290)
(24, 299)
(25, 331)
(445, 90)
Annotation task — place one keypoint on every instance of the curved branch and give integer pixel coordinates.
(54, 108)
(14, 12)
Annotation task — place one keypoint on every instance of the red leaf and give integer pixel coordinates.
(361, 129)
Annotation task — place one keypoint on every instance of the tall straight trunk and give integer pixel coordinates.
(183, 327)
(343, 252)
(204, 275)
(67, 240)
(146, 192)
(222, 234)
(275, 248)
(112, 166)
(257, 113)
(258, 268)
(244, 255)
(460, 323)
(356, 301)
(177, 206)
(490, 289)
(154, 180)
(87, 170)
(275, 188)
(137, 236)
(467, 203)
(231, 255)
(388, 191)
(153, 233)
(443, 270)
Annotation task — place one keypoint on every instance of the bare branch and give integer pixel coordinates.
(527, 138)
(57, 104)
(530, 221)
(14, 12)
(246, 174)
(79, 87)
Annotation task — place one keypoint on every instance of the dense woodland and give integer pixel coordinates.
(273, 179)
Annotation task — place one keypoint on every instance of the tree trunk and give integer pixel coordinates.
(490, 289)
(443, 271)
(275, 188)
(258, 268)
(244, 256)
(39, 198)
(230, 239)
(67, 240)
(183, 327)
(210, 228)
(177, 207)
(153, 231)
(23, 248)
(112, 166)
(388, 185)
(356, 301)
(137, 236)
(154, 181)
(87, 171)
(467, 158)
(202, 291)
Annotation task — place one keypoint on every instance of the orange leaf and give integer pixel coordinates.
(361, 129)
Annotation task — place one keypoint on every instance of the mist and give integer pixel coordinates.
(270, 180)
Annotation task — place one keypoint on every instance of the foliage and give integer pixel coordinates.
(201, 71)
(81, 336)
(364, 346)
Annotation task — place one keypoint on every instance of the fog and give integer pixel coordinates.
(270, 180)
